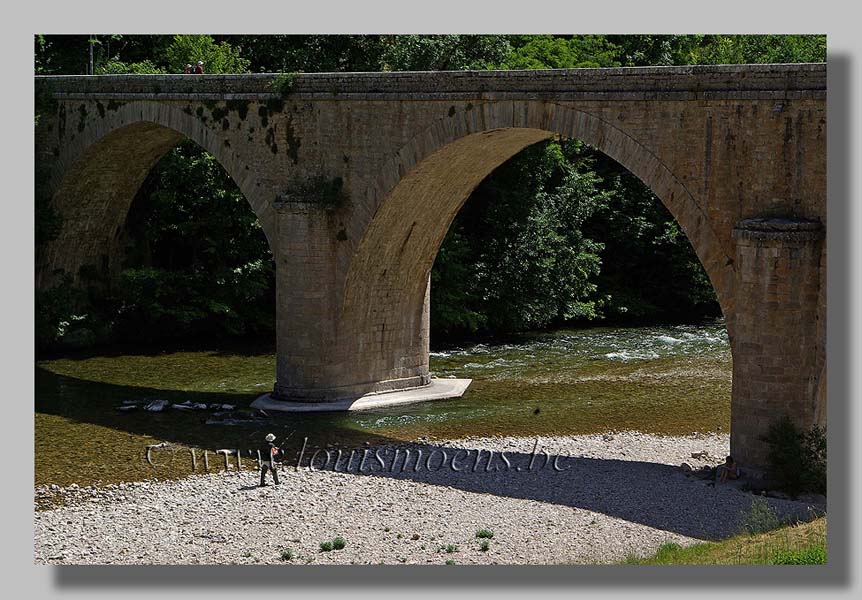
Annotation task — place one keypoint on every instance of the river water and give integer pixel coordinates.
(666, 379)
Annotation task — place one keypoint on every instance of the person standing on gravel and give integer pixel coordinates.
(268, 455)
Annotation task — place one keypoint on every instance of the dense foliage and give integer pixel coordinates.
(194, 239)
(516, 257)
(559, 233)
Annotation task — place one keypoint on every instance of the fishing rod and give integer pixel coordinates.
(278, 463)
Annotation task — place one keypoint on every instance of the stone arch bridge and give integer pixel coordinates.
(356, 177)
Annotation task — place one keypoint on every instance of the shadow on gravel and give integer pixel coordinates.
(651, 494)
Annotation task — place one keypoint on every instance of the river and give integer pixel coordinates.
(673, 379)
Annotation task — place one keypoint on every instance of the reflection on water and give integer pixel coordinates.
(670, 379)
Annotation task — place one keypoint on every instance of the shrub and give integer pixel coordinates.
(336, 544)
(797, 458)
(484, 545)
(115, 66)
(287, 554)
(485, 533)
(759, 517)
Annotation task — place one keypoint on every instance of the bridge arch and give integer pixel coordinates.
(101, 165)
(414, 200)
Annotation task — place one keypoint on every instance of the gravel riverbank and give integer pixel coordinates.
(592, 498)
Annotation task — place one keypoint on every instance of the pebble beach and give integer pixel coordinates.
(547, 500)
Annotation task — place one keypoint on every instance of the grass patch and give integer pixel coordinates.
(287, 554)
(802, 544)
(484, 545)
(326, 546)
(813, 555)
(485, 534)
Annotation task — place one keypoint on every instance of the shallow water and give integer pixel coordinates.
(669, 379)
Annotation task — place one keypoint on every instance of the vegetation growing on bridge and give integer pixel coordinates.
(560, 233)
(283, 83)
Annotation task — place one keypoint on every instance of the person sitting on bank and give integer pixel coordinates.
(729, 470)
(199, 70)
(268, 455)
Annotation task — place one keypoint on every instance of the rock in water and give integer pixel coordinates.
(189, 405)
(157, 406)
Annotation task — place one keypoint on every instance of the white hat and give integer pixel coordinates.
(270, 437)
(200, 62)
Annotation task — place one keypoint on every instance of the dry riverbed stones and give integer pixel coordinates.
(605, 497)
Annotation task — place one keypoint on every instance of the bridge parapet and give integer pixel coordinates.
(781, 81)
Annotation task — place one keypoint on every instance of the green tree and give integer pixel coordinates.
(748, 49)
(649, 269)
(443, 52)
(217, 57)
(310, 53)
(555, 52)
(656, 50)
(197, 259)
(519, 249)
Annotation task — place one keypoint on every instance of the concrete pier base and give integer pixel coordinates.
(438, 389)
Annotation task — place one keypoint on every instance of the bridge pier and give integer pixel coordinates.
(777, 357)
(306, 349)
(322, 357)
